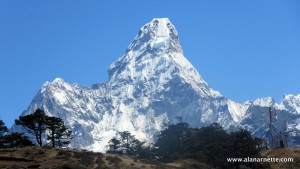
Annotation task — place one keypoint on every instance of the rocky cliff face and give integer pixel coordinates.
(148, 87)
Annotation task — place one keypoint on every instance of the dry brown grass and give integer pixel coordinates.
(284, 153)
(49, 158)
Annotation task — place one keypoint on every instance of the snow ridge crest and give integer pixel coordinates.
(156, 54)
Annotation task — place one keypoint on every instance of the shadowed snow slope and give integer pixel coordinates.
(148, 87)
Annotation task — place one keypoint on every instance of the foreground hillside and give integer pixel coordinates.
(284, 153)
(41, 157)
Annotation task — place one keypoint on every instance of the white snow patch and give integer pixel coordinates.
(237, 110)
(61, 97)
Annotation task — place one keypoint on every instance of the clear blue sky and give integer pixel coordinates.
(244, 49)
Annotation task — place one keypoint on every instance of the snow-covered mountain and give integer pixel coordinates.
(148, 87)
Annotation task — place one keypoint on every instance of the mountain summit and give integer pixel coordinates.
(151, 85)
(156, 54)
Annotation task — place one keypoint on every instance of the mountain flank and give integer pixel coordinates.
(149, 86)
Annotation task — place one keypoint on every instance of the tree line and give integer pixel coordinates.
(126, 143)
(38, 125)
(211, 145)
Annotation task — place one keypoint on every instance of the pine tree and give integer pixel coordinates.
(64, 136)
(214, 146)
(170, 142)
(137, 148)
(59, 135)
(16, 140)
(34, 124)
(126, 140)
(243, 146)
(114, 145)
(38, 123)
(127, 144)
(3, 130)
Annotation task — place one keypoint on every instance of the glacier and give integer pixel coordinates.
(148, 87)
